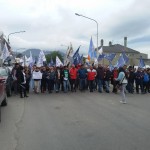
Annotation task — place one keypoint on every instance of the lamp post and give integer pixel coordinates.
(92, 20)
(14, 33)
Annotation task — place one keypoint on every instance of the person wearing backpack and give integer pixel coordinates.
(146, 81)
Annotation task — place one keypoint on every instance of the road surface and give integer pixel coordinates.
(76, 121)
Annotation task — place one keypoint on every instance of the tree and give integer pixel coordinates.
(53, 56)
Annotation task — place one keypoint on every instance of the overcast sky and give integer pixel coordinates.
(52, 23)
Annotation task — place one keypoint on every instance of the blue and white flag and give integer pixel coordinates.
(91, 53)
(111, 67)
(30, 60)
(100, 51)
(110, 57)
(81, 59)
(120, 62)
(125, 57)
(76, 60)
(70, 51)
(41, 59)
(101, 56)
(76, 57)
(58, 62)
(76, 54)
(5, 53)
(141, 63)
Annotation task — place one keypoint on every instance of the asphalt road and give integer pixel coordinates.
(76, 121)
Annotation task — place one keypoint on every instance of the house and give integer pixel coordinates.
(2, 43)
(133, 55)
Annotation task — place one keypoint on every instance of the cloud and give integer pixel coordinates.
(48, 24)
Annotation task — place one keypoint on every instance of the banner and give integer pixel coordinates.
(36, 75)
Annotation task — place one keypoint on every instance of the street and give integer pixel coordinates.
(76, 121)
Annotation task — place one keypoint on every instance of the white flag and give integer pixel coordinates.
(70, 51)
(100, 51)
(58, 62)
(69, 55)
(41, 59)
(5, 52)
(30, 59)
(24, 61)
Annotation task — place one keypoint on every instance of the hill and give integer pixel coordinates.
(35, 52)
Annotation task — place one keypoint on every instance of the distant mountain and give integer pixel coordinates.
(35, 52)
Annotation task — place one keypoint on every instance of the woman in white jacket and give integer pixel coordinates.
(37, 76)
(123, 83)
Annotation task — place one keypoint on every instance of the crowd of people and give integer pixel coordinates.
(70, 79)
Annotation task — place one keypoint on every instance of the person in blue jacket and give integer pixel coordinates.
(123, 83)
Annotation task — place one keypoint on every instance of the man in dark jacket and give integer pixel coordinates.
(107, 78)
(100, 77)
(131, 78)
(43, 81)
(139, 80)
(21, 79)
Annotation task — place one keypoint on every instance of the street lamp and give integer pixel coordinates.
(94, 21)
(14, 33)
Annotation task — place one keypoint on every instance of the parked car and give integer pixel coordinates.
(3, 95)
(5, 73)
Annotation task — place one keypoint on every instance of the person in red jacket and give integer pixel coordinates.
(91, 74)
(73, 77)
(114, 82)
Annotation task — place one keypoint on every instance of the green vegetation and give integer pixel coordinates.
(53, 56)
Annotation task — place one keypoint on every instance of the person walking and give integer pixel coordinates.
(65, 76)
(52, 77)
(37, 76)
(73, 78)
(91, 75)
(145, 82)
(82, 74)
(57, 80)
(123, 83)
(100, 77)
(22, 82)
(107, 78)
(43, 80)
(139, 80)
(113, 81)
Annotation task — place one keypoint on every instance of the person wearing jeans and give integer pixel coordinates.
(91, 74)
(107, 78)
(65, 75)
(82, 74)
(100, 77)
(73, 78)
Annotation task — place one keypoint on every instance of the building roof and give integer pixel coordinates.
(117, 48)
